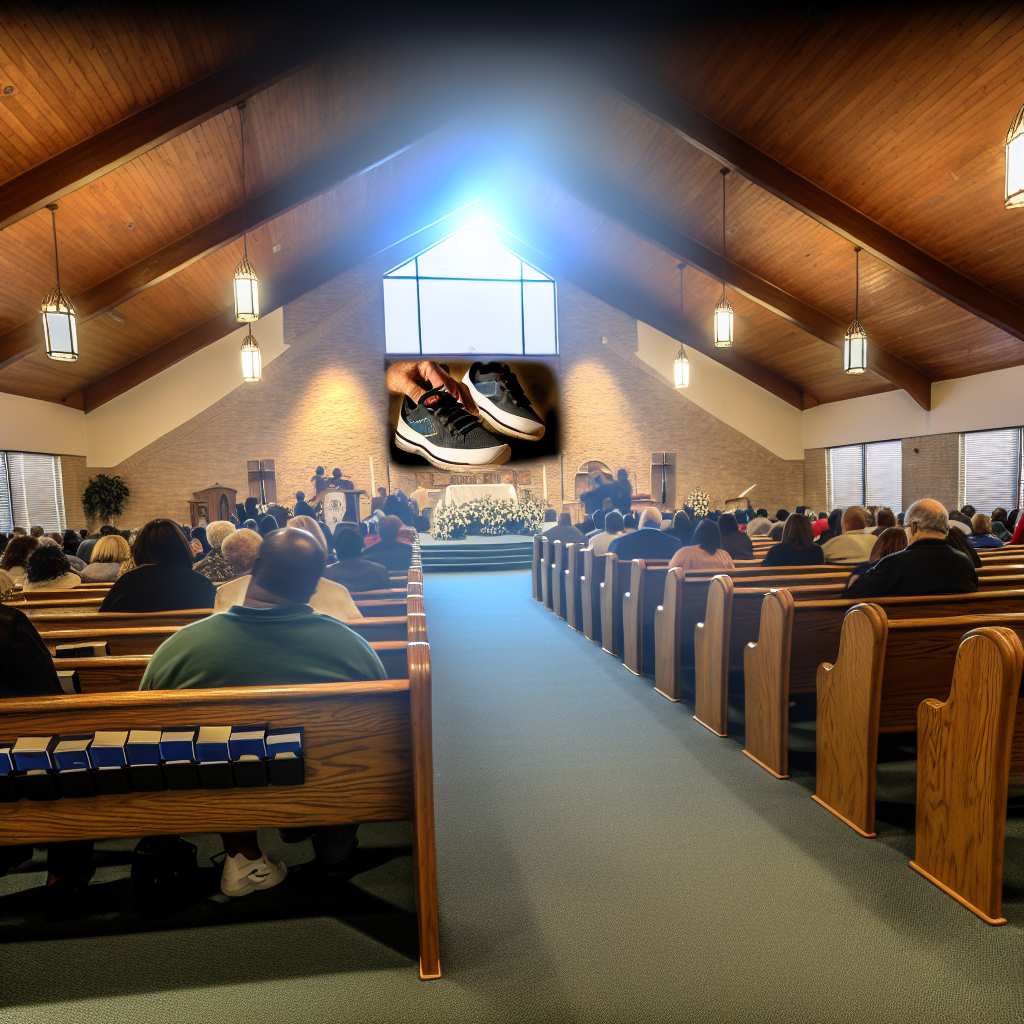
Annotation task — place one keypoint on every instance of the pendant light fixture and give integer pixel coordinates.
(247, 285)
(1015, 163)
(855, 346)
(681, 366)
(59, 327)
(252, 360)
(723, 309)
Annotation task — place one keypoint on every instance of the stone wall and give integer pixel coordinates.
(931, 469)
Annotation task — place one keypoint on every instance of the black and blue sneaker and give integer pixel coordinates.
(443, 432)
(503, 405)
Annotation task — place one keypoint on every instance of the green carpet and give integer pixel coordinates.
(600, 856)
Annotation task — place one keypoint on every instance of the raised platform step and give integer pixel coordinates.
(466, 566)
(477, 556)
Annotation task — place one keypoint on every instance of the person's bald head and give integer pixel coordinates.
(927, 518)
(854, 518)
(289, 565)
(388, 528)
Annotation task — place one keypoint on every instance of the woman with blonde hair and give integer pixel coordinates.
(105, 560)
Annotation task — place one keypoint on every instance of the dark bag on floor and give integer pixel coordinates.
(164, 869)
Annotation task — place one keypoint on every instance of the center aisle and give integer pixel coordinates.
(601, 856)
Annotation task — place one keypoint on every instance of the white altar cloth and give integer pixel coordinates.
(459, 494)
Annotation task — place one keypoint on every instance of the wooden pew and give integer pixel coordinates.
(612, 588)
(590, 594)
(366, 748)
(883, 671)
(535, 572)
(557, 570)
(646, 590)
(734, 620)
(547, 553)
(573, 586)
(963, 766)
(795, 637)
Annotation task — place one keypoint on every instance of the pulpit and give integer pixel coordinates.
(214, 503)
(339, 505)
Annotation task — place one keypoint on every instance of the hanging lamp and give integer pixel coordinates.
(723, 308)
(247, 285)
(681, 365)
(252, 360)
(855, 345)
(1015, 163)
(59, 324)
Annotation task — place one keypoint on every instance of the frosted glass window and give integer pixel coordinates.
(538, 316)
(866, 474)
(471, 316)
(401, 315)
(468, 294)
(991, 470)
(36, 490)
(845, 476)
(6, 510)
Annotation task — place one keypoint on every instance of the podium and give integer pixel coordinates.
(214, 503)
(339, 505)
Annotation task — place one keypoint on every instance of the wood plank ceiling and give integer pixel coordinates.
(899, 114)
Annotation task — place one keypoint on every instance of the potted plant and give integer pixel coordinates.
(104, 497)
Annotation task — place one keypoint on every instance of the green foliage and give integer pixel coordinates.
(104, 497)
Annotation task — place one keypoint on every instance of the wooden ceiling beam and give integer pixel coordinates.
(532, 243)
(613, 202)
(168, 117)
(785, 184)
(369, 149)
(385, 231)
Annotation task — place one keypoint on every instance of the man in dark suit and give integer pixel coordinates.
(928, 566)
(302, 507)
(650, 541)
(389, 551)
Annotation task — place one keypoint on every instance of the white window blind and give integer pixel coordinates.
(36, 490)
(991, 469)
(866, 474)
(883, 474)
(6, 512)
(846, 476)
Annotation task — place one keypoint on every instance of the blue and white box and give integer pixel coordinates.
(178, 745)
(248, 740)
(143, 746)
(107, 750)
(280, 742)
(6, 761)
(214, 743)
(34, 753)
(72, 753)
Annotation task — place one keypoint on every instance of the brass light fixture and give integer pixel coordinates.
(855, 345)
(252, 360)
(59, 324)
(1015, 163)
(247, 285)
(681, 365)
(723, 308)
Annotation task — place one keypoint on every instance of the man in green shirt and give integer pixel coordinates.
(274, 637)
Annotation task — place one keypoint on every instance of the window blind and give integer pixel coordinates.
(36, 491)
(846, 476)
(991, 469)
(883, 474)
(6, 512)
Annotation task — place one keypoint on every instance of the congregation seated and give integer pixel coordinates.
(389, 551)
(737, 544)
(267, 524)
(48, 568)
(15, 555)
(7, 584)
(889, 541)
(397, 505)
(630, 521)
(200, 545)
(853, 545)
(797, 546)
(377, 502)
(958, 519)
(999, 528)
(833, 529)
(586, 526)
(283, 642)
(760, 524)
(302, 507)
(981, 535)
(682, 527)
(957, 540)
(84, 551)
(351, 570)
(885, 519)
(1018, 527)
(328, 598)
(162, 578)
(613, 528)
(215, 567)
(928, 565)
(597, 524)
(240, 550)
(705, 551)
(105, 562)
(647, 542)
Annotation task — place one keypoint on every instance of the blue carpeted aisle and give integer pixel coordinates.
(601, 857)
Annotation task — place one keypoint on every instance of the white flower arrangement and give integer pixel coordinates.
(493, 516)
(699, 501)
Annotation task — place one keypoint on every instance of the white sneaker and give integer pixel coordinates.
(242, 876)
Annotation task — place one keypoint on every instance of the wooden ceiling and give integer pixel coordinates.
(881, 127)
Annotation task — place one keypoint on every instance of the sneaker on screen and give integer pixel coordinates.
(443, 432)
(503, 405)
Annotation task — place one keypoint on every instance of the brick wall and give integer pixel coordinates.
(815, 484)
(931, 469)
(323, 402)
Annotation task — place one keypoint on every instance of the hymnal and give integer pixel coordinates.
(69, 681)
(213, 743)
(250, 739)
(107, 750)
(284, 742)
(82, 650)
(143, 746)
(72, 752)
(6, 761)
(178, 745)
(32, 753)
